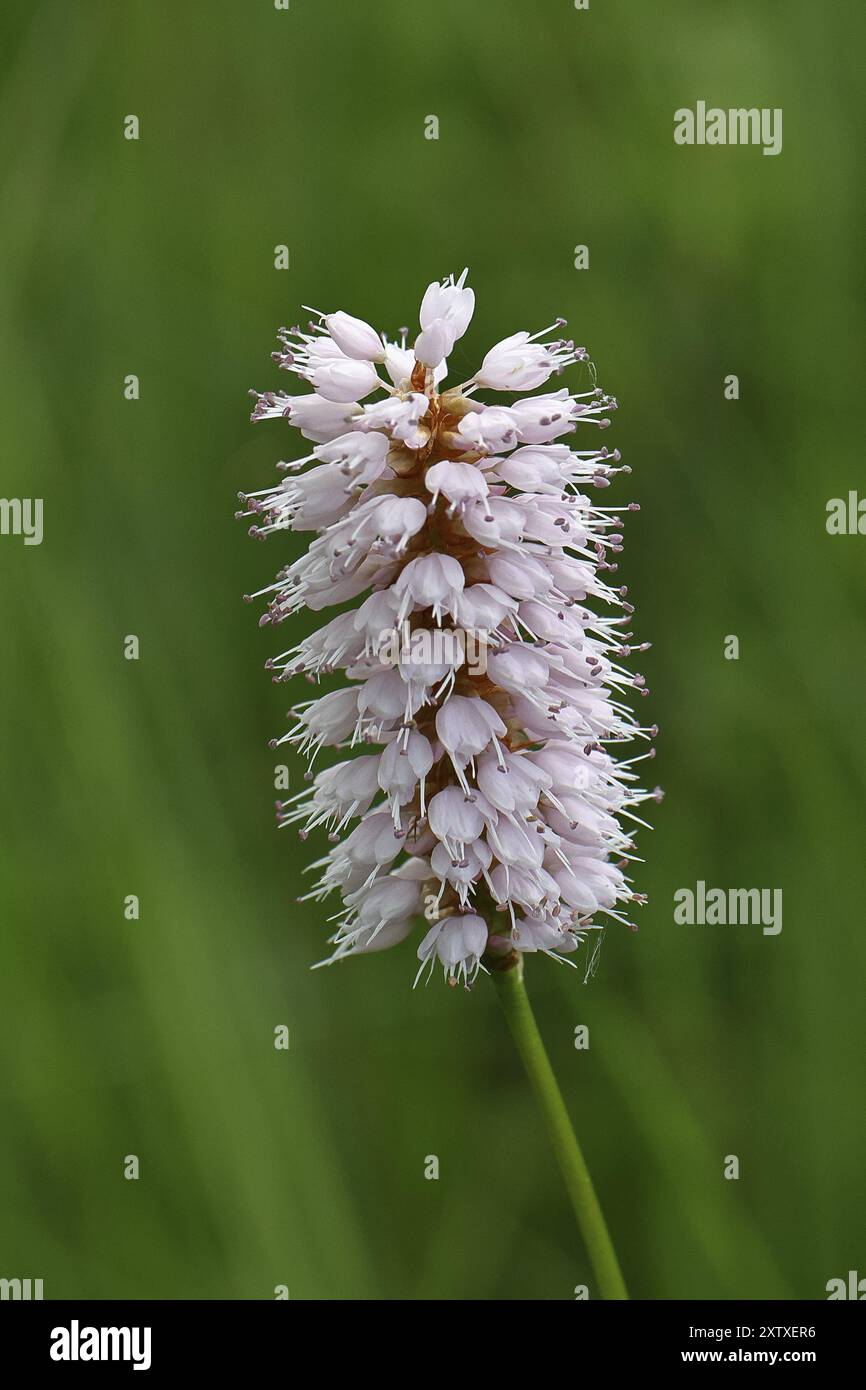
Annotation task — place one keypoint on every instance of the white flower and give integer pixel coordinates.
(355, 338)
(536, 468)
(520, 363)
(345, 379)
(483, 608)
(490, 429)
(466, 725)
(404, 765)
(361, 457)
(455, 819)
(459, 482)
(400, 418)
(397, 519)
(446, 310)
(459, 942)
(472, 785)
(450, 301)
(434, 343)
(431, 581)
(314, 416)
(521, 574)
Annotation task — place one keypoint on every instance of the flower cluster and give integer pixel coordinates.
(493, 806)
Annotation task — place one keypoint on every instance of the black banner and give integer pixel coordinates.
(66, 1338)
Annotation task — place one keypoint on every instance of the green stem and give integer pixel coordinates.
(590, 1218)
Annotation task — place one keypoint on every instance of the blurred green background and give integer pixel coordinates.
(155, 257)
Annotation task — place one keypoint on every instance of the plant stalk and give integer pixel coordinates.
(590, 1218)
